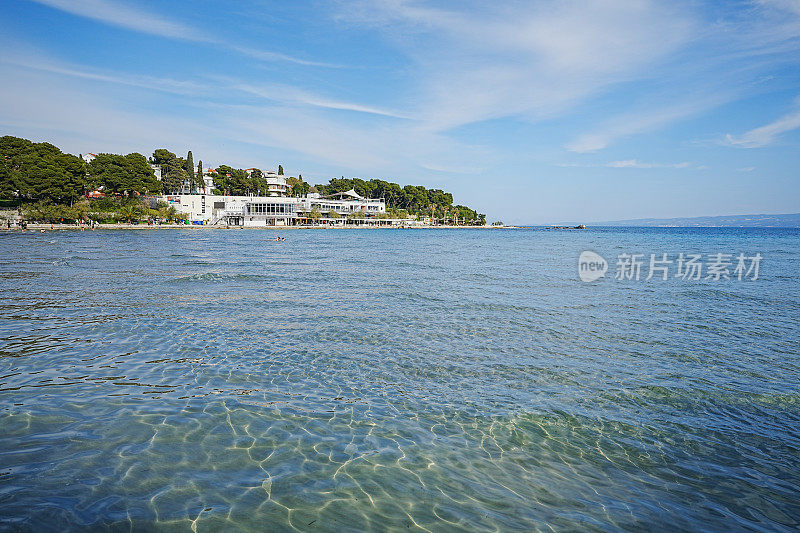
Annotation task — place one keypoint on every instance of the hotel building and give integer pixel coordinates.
(340, 209)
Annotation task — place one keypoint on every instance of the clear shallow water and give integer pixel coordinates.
(394, 379)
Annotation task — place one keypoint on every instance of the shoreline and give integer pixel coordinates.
(73, 227)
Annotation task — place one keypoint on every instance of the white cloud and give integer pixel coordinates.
(747, 169)
(650, 117)
(293, 95)
(115, 13)
(634, 163)
(629, 163)
(123, 16)
(264, 55)
(530, 59)
(38, 62)
(764, 135)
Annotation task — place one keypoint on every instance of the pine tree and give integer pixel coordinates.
(280, 170)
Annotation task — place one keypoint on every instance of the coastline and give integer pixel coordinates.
(73, 227)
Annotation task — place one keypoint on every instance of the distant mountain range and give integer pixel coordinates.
(746, 221)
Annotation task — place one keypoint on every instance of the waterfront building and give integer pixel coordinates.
(340, 209)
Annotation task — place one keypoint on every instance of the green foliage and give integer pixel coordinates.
(416, 199)
(190, 165)
(123, 175)
(396, 213)
(236, 182)
(50, 213)
(356, 215)
(166, 212)
(195, 179)
(314, 213)
(174, 178)
(280, 170)
(39, 171)
(116, 209)
(130, 212)
(333, 214)
(297, 187)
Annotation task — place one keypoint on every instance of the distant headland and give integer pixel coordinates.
(791, 220)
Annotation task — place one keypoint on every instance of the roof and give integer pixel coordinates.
(351, 193)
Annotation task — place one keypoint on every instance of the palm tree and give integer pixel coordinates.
(128, 212)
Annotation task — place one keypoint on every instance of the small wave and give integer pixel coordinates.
(19, 275)
(220, 277)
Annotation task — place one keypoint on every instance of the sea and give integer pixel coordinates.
(400, 380)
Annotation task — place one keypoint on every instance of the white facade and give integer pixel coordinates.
(277, 184)
(272, 210)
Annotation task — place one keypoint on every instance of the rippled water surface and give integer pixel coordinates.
(394, 379)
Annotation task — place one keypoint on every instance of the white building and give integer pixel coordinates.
(277, 184)
(280, 210)
(156, 170)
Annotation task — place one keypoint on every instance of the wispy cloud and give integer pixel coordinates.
(452, 169)
(264, 55)
(529, 59)
(747, 169)
(33, 62)
(115, 13)
(628, 163)
(767, 134)
(650, 117)
(293, 95)
(634, 163)
(124, 16)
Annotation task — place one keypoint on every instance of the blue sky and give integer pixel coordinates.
(529, 111)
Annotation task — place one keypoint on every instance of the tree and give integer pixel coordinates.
(130, 212)
(188, 166)
(199, 176)
(167, 212)
(123, 175)
(222, 178)
(173, 171)
(297, 187)
(280, 170)
(258, 183)
(39, 171)
(333, 214)
(47, 212)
